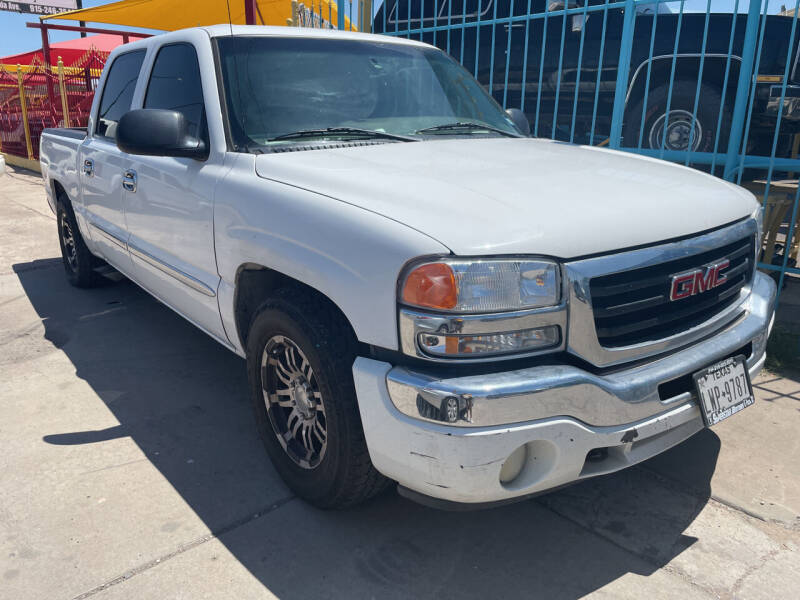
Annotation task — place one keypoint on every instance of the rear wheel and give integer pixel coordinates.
(674, 126)
(300, 356)
(79, 262)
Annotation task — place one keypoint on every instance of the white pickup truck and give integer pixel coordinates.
(423, 293)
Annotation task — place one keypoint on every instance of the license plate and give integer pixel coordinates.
(724, 389)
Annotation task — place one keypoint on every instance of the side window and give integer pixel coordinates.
(175, 85)
(118, 92)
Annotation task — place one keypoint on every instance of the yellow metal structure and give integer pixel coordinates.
(170, 15)
(62, 89)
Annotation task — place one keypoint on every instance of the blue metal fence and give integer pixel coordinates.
(713, 90)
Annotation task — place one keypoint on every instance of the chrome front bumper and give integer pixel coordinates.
(624, 396)
(568, 423)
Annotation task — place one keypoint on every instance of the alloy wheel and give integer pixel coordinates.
(294, 402)
(68, 239)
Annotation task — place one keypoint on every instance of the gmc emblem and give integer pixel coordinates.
(698, 281)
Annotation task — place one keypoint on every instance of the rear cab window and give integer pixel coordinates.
(118, 92)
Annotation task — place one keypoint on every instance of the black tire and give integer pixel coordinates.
(79, 263)
(681, 108)
(344, 474)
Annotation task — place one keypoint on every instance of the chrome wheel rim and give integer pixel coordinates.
(293, 401)
(681, 128)
(68, 239)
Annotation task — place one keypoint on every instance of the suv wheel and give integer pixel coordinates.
(675, 128)
(299, 361)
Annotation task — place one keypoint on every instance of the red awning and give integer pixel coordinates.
(69, 51)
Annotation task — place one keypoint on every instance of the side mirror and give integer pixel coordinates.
(157, 132)
(520, 121)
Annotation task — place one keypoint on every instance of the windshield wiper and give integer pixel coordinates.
(338, 131)
(465, 126)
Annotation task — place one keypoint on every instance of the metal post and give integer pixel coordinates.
(742, 88)
(250, 12)
(623, 71)
(340, 15)
(51, 95)
(78, 6)
(366, 16)
(62, 89)
(23, 105)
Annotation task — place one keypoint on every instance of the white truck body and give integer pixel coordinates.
(346, 221)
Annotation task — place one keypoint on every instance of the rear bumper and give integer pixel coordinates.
(558, 413)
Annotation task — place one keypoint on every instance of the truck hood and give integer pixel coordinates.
(517, 196)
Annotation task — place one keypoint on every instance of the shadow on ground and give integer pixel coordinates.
(183, 399)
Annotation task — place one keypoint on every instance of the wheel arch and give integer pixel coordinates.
(59, 190)
(686, 68)
(255, 283)
(58, 193)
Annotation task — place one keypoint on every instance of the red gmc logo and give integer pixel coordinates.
(698, 281)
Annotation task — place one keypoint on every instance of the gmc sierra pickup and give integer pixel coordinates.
(423, 293)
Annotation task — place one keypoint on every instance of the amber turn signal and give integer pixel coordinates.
(432, 285)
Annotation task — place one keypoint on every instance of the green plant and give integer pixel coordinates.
(783, 350)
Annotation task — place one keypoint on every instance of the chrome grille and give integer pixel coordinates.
(633, 307)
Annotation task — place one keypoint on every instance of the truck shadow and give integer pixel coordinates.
(183, 400)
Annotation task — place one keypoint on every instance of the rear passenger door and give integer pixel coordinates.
(101, 163)
(170, 212)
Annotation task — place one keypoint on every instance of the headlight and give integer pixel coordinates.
(481, 309)
(482, 286)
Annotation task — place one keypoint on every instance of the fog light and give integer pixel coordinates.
(513, 465)
(527, 340)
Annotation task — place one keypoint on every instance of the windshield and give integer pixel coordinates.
(276, 86)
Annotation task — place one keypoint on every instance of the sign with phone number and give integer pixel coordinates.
(45, 7)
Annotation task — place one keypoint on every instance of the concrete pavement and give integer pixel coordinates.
(130, 468)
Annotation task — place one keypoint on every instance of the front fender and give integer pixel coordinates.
(349, 254)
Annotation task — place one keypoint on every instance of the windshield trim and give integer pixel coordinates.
(230, 144)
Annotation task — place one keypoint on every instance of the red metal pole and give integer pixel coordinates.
(51, 96)
(250, 12)
(55, 27)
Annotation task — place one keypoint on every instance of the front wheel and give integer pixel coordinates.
(299, 358)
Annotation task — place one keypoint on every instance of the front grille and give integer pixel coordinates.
(633, 307)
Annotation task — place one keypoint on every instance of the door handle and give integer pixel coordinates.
(88, 167)
(129, 180)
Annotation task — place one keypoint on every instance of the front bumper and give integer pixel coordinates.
(559, 413)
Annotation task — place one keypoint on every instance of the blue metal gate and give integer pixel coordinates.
(719, 91)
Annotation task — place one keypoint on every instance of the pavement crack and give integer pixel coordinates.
(185, 548)
(764, 559)
(50, 216)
